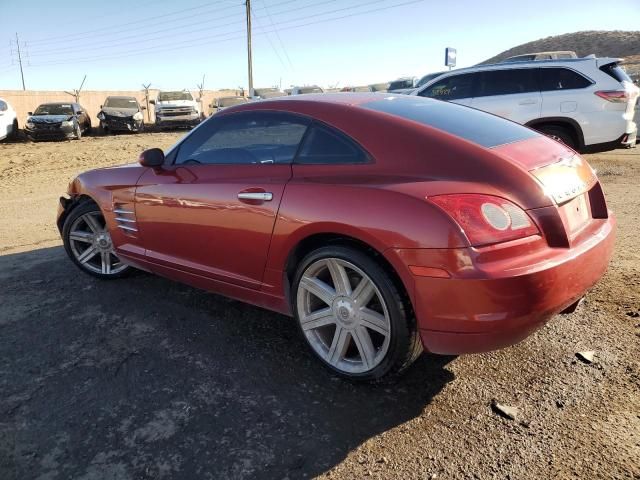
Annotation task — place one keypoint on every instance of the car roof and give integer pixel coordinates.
(57, 103)
(533, 63)
(122, 96)
(337, 98)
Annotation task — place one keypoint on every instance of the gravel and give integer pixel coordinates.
(145, 378)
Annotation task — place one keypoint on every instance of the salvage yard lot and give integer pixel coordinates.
(146, 378)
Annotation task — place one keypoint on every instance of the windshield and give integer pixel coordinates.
(54, 109)
(171, 96)
(114, 102)
(428, 78)
(229, 102)
(311, 90)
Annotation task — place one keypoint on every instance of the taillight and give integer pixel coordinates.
(486, 219)
(615, 96)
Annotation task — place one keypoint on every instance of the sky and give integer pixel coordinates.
(122, 44)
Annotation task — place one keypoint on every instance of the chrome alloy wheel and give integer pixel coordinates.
(343, 315)
(91, 245)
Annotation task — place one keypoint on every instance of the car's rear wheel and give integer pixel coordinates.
(559, 134)
(88, 243)
(14, 130)
(352, 315)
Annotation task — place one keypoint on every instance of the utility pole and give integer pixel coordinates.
(248, 5)
(20, 61)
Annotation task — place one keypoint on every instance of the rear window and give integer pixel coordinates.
(472, 125)
(561, 79)
(616, 71)
(323, 145)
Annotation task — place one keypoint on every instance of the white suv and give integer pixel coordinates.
(8, 121)
(587, 103)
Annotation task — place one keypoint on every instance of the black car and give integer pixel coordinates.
(57, 121)
(121, 114)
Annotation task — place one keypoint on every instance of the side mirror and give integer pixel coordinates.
(101, 107)
(29, 113)
(154, 158)
(142, 107)
(152, 102)
(79, 112)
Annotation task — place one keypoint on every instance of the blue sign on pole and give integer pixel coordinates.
(450, 55)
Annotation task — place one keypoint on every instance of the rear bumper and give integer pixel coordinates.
(490, 308)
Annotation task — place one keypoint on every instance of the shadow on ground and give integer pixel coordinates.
(146, 378)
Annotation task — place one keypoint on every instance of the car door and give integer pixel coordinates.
(511, 93)
(6, 120)
(562, 90)
(456, 88)
(211, 210)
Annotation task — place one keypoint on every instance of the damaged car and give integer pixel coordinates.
(121, 114)
(57, 121)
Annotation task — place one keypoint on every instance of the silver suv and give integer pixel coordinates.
(586, 103)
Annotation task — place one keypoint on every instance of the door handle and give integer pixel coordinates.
(263, 196)
(528, 102)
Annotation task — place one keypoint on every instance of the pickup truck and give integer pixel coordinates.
(176, 109)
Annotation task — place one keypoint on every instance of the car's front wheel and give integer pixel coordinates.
(352, 314)
(88, 243)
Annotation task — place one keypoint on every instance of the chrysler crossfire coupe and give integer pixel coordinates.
(383, 224)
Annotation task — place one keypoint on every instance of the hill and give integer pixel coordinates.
(614, 43)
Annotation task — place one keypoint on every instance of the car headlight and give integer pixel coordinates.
(101, 116)
(30, 125)
(67, 123)
(137, 116)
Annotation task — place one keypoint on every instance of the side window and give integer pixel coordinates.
(323, 145)
(507, 82)
(3, 106)
(451, 88)
(561, 79)
(244, 138)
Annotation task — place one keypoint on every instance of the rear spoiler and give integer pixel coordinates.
(601, 62)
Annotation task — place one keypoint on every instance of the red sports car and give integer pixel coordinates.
(384, 224)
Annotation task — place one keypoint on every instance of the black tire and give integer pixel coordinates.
(559, 134)
(405, 345)
(84, 208)
(14, 131)
(88, 128)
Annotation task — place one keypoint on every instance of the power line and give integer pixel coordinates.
(163, 33)
(269, 39)
(92, 33)
(277, 34)
(190, 42)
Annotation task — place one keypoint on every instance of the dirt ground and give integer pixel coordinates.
(144, 378)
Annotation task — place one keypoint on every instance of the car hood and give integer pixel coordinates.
(119, 112)
(49, 118)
